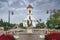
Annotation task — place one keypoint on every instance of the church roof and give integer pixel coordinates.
(29, 6)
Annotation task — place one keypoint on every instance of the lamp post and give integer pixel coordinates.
(51, 20)
(9, 13)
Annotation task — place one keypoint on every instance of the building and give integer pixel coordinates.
(29, 19)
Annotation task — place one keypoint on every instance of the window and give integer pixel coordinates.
(29, 11)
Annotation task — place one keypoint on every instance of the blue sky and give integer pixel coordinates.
(20, 11)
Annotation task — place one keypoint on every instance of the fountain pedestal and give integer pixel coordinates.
(29, 30)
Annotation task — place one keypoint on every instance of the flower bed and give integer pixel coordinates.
(6, 37)
(53, 36)
(36, 30)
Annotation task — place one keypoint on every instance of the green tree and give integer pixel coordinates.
(50, 24)
(55, 19)
(21, 25)
(6, 25)
(1, 22)
(40, 25)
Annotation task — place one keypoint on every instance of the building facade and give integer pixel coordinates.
(29, 20)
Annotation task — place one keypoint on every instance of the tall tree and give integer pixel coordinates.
(1, 22)
(40, 25)
(56, 18)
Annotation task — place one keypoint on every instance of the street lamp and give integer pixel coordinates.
(9, 13)
(51, 21)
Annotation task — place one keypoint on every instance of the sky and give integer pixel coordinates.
(19, 7)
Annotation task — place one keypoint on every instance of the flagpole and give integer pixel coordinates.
(9, 14)
(9, 17)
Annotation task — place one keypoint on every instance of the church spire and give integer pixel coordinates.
(29, 6)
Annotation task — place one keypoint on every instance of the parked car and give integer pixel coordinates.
(57, 26)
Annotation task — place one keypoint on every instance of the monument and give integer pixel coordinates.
(29, 21)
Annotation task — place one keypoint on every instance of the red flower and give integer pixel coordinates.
(53, 36)
(6, 37)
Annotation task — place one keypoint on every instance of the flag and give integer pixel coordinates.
(12, 13)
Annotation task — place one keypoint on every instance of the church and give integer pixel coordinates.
(29, 19)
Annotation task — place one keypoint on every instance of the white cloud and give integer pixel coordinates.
(20, 11)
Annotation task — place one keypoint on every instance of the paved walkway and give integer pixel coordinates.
(26, 36)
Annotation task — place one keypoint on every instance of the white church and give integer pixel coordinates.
(29, 17)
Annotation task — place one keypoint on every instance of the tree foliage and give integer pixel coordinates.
(6, 25)
(21, 25)
(55, 19)
(40, 25)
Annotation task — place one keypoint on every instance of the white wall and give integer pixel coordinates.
(33, 23)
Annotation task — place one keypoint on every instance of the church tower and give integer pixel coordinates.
(29, 20)
(29, 7)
